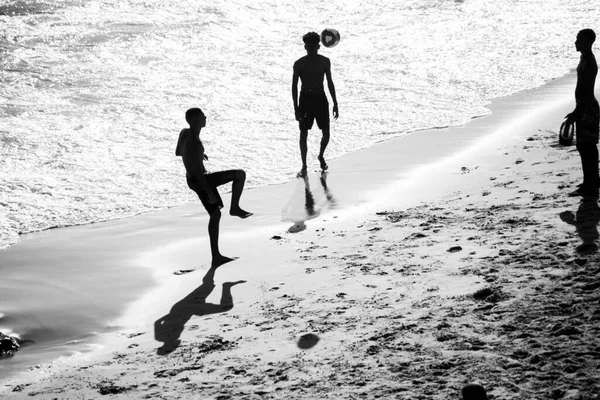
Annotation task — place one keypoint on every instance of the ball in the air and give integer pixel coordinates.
(330, 37)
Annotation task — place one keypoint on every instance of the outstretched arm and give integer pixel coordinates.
(331, 88)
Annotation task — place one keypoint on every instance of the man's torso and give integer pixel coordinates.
(311, 70)
(587, 71)
(193, 152)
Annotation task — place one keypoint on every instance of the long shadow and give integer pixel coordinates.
(168, 328)
(585, 222)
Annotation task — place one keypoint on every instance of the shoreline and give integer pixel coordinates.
(491, 104)
(126, 239)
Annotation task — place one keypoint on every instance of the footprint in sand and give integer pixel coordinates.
(308, 341)
(454, 249)
(183, 271)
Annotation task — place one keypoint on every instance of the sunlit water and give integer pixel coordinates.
(93, 93)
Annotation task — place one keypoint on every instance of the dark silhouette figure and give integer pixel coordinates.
(168, 328)
(473, 391)
(585, 222)
(586, 115)
(190, 148)
(312, 104)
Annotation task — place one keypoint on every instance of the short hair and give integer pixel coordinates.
(588, 34)
(311, 38)
(191, 113)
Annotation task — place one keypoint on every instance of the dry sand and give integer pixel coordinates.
(478, 269)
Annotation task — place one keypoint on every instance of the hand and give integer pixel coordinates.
(298, 115)
(205, 157)
(336, 114)
(570, 118)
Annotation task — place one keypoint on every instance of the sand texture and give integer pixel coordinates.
(496, 281)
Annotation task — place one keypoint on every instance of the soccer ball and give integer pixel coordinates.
(330, 37)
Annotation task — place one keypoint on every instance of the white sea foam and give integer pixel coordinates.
(93, 92)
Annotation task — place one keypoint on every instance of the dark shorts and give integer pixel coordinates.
(588, 124)
(313, 107)
(213, 180)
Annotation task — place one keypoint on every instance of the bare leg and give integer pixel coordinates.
(590, 168)
(303, 150)
(589, 162)
(238, 177)
(236, 193)
(324, 143)
(213, 233)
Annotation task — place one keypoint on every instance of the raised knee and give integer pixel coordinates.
(240, 174)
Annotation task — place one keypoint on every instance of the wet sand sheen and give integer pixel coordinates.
(65, 285)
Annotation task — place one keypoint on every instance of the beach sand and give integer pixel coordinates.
(468, 263)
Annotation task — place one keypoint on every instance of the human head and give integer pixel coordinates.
(192, 114)
(311, 42)
(585, 39)
(473, 391)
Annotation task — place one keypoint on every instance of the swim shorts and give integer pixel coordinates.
(213, 180)
(587, 124)
(311, 108)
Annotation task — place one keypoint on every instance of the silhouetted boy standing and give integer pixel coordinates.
(586, 115)
(190, 148)
(313, 103)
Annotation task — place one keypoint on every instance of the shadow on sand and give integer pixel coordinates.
(168, 328)
(585, 222)
(300, 212)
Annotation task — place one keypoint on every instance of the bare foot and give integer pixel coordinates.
(302, 173)
(324, 165)
(220, 260)
(240, 213)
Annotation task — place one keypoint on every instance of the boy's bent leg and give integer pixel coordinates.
(236, 193)
(238, 177)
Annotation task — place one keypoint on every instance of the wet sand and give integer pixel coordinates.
(429, 261)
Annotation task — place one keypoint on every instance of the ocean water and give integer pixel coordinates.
(93, 93)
